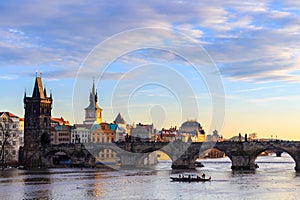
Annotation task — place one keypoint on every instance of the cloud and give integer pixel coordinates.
(275, 99)
(8, 77)
(249, 40)
(258, 89)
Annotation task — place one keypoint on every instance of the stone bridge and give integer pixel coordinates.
(75, 155)
(184, 155)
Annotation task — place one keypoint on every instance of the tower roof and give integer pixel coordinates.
(38, 91)
(119, 119)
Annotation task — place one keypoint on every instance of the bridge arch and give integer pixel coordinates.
(149, 156)
(277, 148)
(152, 149)
(58, 157)
(212, 153)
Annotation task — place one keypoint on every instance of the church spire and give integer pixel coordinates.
(93, 89)
(93, 113)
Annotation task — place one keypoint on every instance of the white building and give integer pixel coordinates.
(9, 138)
(80, 133)
(215, 137)
(145, 132)
(122, 128)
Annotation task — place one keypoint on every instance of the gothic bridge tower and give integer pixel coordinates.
(37, 124)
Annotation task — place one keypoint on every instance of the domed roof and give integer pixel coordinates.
(189, 123)
(191, 127)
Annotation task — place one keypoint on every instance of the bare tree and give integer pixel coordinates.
(8, 138)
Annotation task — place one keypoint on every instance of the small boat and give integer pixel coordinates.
(190, 178)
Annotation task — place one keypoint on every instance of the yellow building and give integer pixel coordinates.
(103, 133)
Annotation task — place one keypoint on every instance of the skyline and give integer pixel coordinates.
(254, 45)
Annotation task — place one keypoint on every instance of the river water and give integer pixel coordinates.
(275, 179)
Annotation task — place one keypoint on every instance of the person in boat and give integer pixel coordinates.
(203, 176)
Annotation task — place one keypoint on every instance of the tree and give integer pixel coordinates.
(8, 139)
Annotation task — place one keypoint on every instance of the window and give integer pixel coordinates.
(14, 142)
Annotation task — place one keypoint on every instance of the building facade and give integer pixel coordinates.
(21, 135)
(122, 128)
(80, 133)
(60, 131)
(9, 138)
(103, 133)
(167, 135)
(215, 137)
(143, 132)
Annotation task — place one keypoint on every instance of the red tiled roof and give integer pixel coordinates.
(88, 126)
(9, 114)
(168, 135)
(60, 121)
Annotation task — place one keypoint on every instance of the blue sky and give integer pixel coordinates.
(255, 45)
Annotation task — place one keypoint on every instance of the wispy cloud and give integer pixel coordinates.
(258, 89)
(12, 77)
(275, 99)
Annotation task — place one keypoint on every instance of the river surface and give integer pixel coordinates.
(275, 179)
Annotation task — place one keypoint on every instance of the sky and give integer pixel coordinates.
(233, 66)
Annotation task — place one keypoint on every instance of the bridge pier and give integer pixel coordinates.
(297, 161)
(242, 162)
(278, 153)
(133, 160)
(183, 163)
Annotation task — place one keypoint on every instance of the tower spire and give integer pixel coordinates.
(93, 113)
(93, 89)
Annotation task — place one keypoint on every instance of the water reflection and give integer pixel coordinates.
(74, 184)
(97, 185)
(36, 184)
